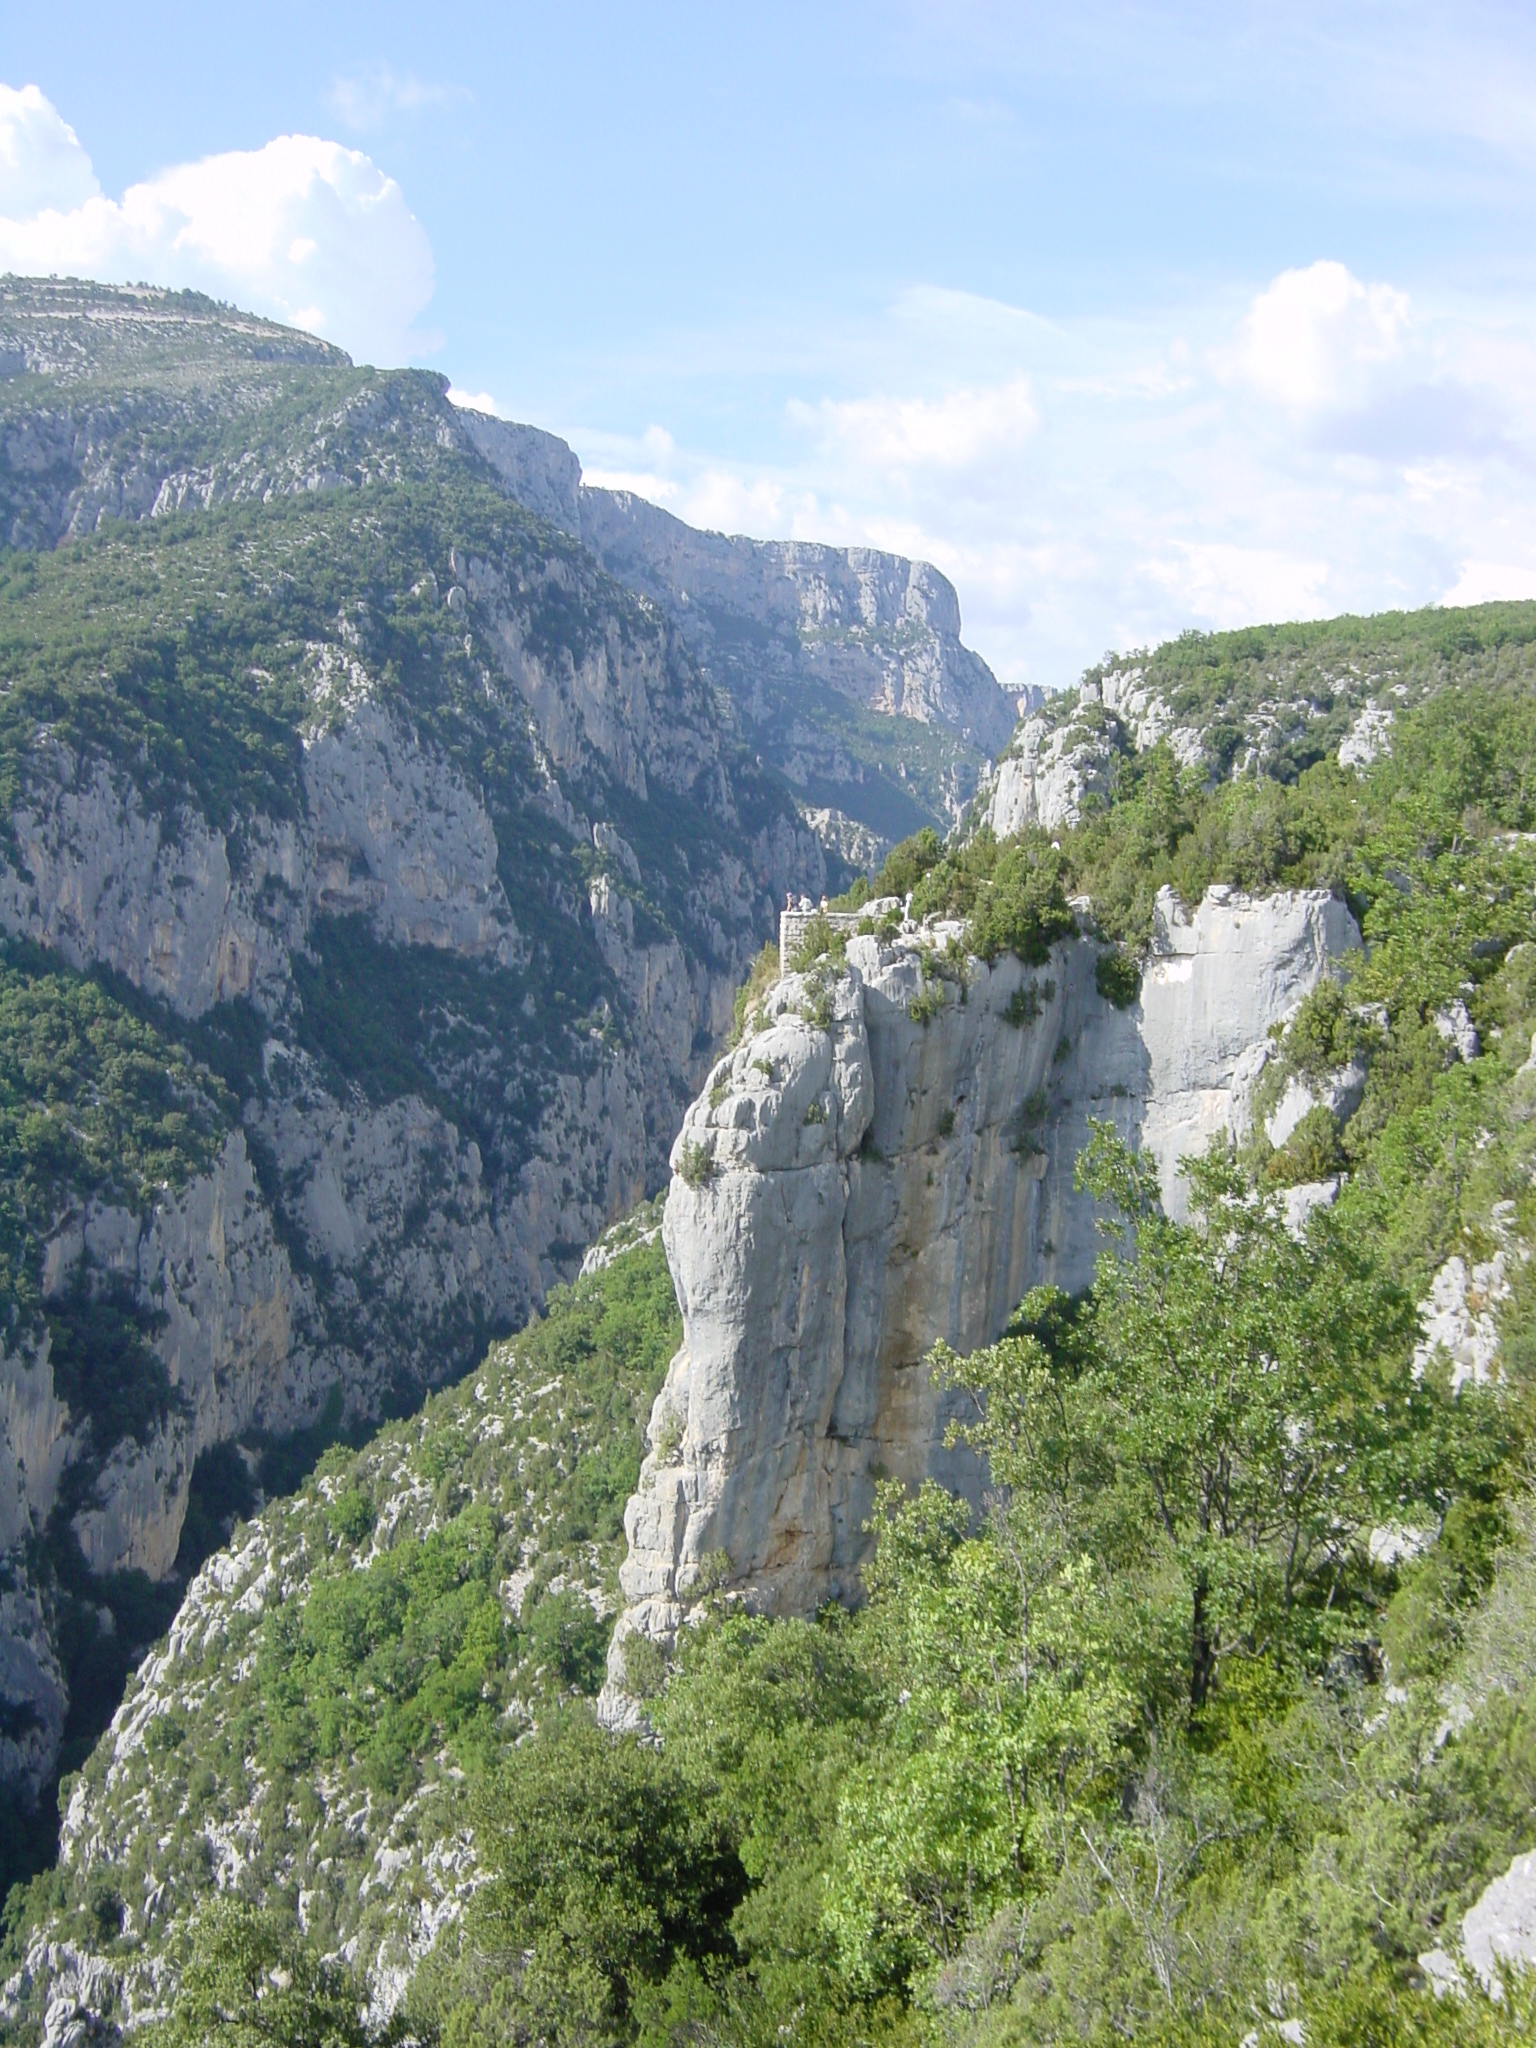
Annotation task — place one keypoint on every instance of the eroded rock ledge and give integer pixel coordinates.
(873, 1169)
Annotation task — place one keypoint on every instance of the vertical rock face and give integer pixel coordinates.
(869, 1172)
(832, 656)
(876, 626)
(538, 469)
(1218, 980)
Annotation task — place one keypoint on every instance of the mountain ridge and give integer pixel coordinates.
(345, 782)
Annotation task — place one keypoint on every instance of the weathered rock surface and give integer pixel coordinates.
(1498, 1933)
(1369, 737)
(882, 630)
(856, 1183)
(539, 470)
(1340, 1092)
(1057, 761)
(1459, 1315)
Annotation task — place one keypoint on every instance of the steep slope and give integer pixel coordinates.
(845, 665)
(887, 1157)
(313, 1720)
(1267, 700)
(831, 655)
(411, 851)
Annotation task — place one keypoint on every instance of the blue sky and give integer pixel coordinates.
(1145, 318)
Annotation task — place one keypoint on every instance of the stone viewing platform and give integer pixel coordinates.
(800, 913)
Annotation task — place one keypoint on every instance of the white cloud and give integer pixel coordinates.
(721, 502)
(1485, 582)
(1316, 335)
(476, 401)
(1223, 584)
(41, 161)
(1319, 447)
(954, 432)
(660, 490)
(304, 230)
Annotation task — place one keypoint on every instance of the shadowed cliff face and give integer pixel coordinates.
(887, 1161)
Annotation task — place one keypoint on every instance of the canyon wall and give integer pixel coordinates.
(885, 1160)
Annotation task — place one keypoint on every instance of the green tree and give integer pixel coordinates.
(608, 1865)
(251, 1981)
(1254, 1395)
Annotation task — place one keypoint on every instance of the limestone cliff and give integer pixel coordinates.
(337, 759)
(885, 1160)
(883, 630)
(832, 655)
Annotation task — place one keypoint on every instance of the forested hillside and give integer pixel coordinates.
(376, 875)
(1213, 1725)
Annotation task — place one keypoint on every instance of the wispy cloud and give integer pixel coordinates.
(951, 432)
(1322, 442)
(366, 100)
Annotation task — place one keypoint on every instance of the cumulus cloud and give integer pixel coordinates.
(1315, 337)
(476, 401)
(1224, 584)
(41, 161)
(304, 230)
(956, 431)
(1485, 582)
(1323, 445)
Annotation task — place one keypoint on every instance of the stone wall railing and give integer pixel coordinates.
(794, 924)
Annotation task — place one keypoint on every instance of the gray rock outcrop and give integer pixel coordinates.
(1058, 760)
(538, 469)
(872, 1170)
(1498, 1934)
(876, 627)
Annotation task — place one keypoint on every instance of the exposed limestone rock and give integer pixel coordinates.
(143, 1493)
(389, 830)
(856, 1183)
(1044, 779)
(353, 1177)
(1498, 1933)
(880, 629)
(1455, 1026)
(1302, 1201)
(1501, 1927)
(1459, 1315)
(427, 850)
(99, 879)
(1341, 1092)
(35, 1444)
(608, 839)
(1369, 737)
(856, 843)
(232, 1344)
(1218, 981)
(536, 468)
(1056, 760)
(32, 1695)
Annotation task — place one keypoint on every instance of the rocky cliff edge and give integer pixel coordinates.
(887, 1159)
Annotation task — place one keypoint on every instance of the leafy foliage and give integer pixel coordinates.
(249, 1981)
(1215, 1718)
